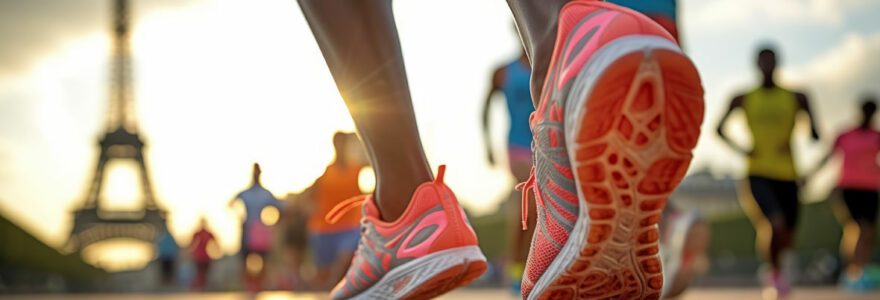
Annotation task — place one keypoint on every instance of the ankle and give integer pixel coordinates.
(391, 205)
(392, 201)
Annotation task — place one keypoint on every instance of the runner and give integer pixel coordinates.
(199, 247)
(770, 113)
(294, 221)
(859, 183)
(513, 80)
(605, 161)
(167, 249)
(333, 244)
(256, 236)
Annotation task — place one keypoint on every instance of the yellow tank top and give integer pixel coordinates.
(770, 114)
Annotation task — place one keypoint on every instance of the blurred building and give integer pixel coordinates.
(712, 195)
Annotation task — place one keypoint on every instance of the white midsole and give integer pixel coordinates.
(575, 109)
(421, 269)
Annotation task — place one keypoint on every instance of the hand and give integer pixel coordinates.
(801, 181)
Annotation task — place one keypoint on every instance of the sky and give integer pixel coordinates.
(220, 84)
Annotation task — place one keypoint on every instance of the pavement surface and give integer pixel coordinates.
(807, 293)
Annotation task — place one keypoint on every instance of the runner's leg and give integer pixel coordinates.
(361, 47)
(536, 21)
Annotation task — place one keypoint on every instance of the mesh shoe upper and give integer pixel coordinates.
(432, 222)
(584, 26)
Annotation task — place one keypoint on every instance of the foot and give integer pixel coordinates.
(862, 281)
(776, 286)
(620, 112)
(430, 250)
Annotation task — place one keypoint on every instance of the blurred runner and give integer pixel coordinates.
(602, 81)
(201, 240)
(333, 244)
(513, 80)
(256, 236)
(167, 249)
(294, 220)
(770, 113)
(859, 183)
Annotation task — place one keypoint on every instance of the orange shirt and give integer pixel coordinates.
(337, 184)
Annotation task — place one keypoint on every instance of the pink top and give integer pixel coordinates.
(860, 170)
(200, 242)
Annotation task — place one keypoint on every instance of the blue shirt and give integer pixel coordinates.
(664, 7)
(167, 246)
(255, 199)
(516, 88)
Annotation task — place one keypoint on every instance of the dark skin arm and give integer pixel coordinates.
(737, 102)
(497, 80)
(804, 105)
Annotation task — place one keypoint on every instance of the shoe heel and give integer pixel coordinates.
(633, 121)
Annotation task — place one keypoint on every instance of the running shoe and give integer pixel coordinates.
(430, 250)
(776, 286)
(868, 279)
(620, 112)
(857, 284)
(684, 238)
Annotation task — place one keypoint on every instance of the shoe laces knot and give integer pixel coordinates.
(343, 207)
(529, 184)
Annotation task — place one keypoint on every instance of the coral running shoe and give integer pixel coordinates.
(620, 112)
(430, 250)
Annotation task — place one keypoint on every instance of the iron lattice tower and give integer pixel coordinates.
(120, 142)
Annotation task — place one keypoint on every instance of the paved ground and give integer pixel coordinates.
(821, 293)
(824, 293)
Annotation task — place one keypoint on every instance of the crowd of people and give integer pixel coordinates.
(296, 227)
(605, 108)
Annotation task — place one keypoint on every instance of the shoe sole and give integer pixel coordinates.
(632, 119)
(429, 276)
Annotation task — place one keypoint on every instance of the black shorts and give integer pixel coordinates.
(776, 197)
(862, 205)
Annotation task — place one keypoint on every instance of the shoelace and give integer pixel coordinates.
(343, 207)
(340, 210)
(529, 184)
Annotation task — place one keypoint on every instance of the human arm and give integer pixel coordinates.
(233, 200)
(804, 105)
(737, 102)
(824, 160)
(193, 242)
(819, 166)
(497, 79)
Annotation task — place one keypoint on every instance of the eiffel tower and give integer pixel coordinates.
(121, 142)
